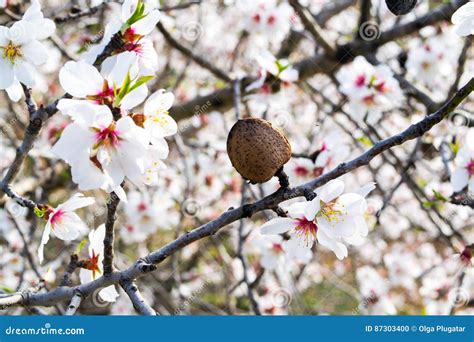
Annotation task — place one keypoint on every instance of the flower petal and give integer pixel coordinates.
(80, 79)
(331, 190)
(312, 208)
(158, 102)
(459, 179)
(15, 91)
(277, 225)
(44, 241)
(25, 73)
(109, 293)
(76, 201)
(147, 24)
(68, 227)
(35, 52)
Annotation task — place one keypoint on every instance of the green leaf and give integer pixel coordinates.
(80, 246)
(39, 212)
(6, 289)
(137, 15)
(454, 147)
(140, 81)
(124, 90)
(428, 204)
(365, 140)
(281, 67)
(439, 196)
(373, 78)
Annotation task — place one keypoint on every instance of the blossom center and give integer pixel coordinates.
(105, 96)
(307, 230)
(271, 20)
(12, 52)
(301, 171)
(160, 118)
(470, 167)
(331, 212)
(256, 18)
(56, 217)
(360, 80)
(277, 248)
(142, 207)
(92, 264)
(369, 100)
(131, 42)
(108, 136)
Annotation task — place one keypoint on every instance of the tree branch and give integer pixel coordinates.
(137, 299)
(74, 305)
(196, 58)
(312, 26)
(109, 234)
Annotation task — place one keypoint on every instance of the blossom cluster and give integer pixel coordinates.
(109, 138)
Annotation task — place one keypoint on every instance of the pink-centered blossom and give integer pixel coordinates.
(63, 222)
(371, 90)
(332, 218)
(93, 265)
(463, 174)
(102, 151)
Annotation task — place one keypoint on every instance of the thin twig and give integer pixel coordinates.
(137, 299)
(109, 234)
(196, 58)
(74, 305)
(313, 27)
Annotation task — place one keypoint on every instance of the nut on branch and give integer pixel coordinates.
(400, 7)
(257, 150)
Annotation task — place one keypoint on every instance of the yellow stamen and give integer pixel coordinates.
(331, 213)
(12, 52)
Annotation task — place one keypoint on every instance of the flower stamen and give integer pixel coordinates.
(307, 230)
(12, 52)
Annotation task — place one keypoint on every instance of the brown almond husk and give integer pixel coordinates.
(257, 150)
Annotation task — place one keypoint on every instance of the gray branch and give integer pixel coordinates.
(74, 305)
(137, 299)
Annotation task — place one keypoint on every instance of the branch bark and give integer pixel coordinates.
(110, 234)
(137, 299)
(196, 58)
(74, 305)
